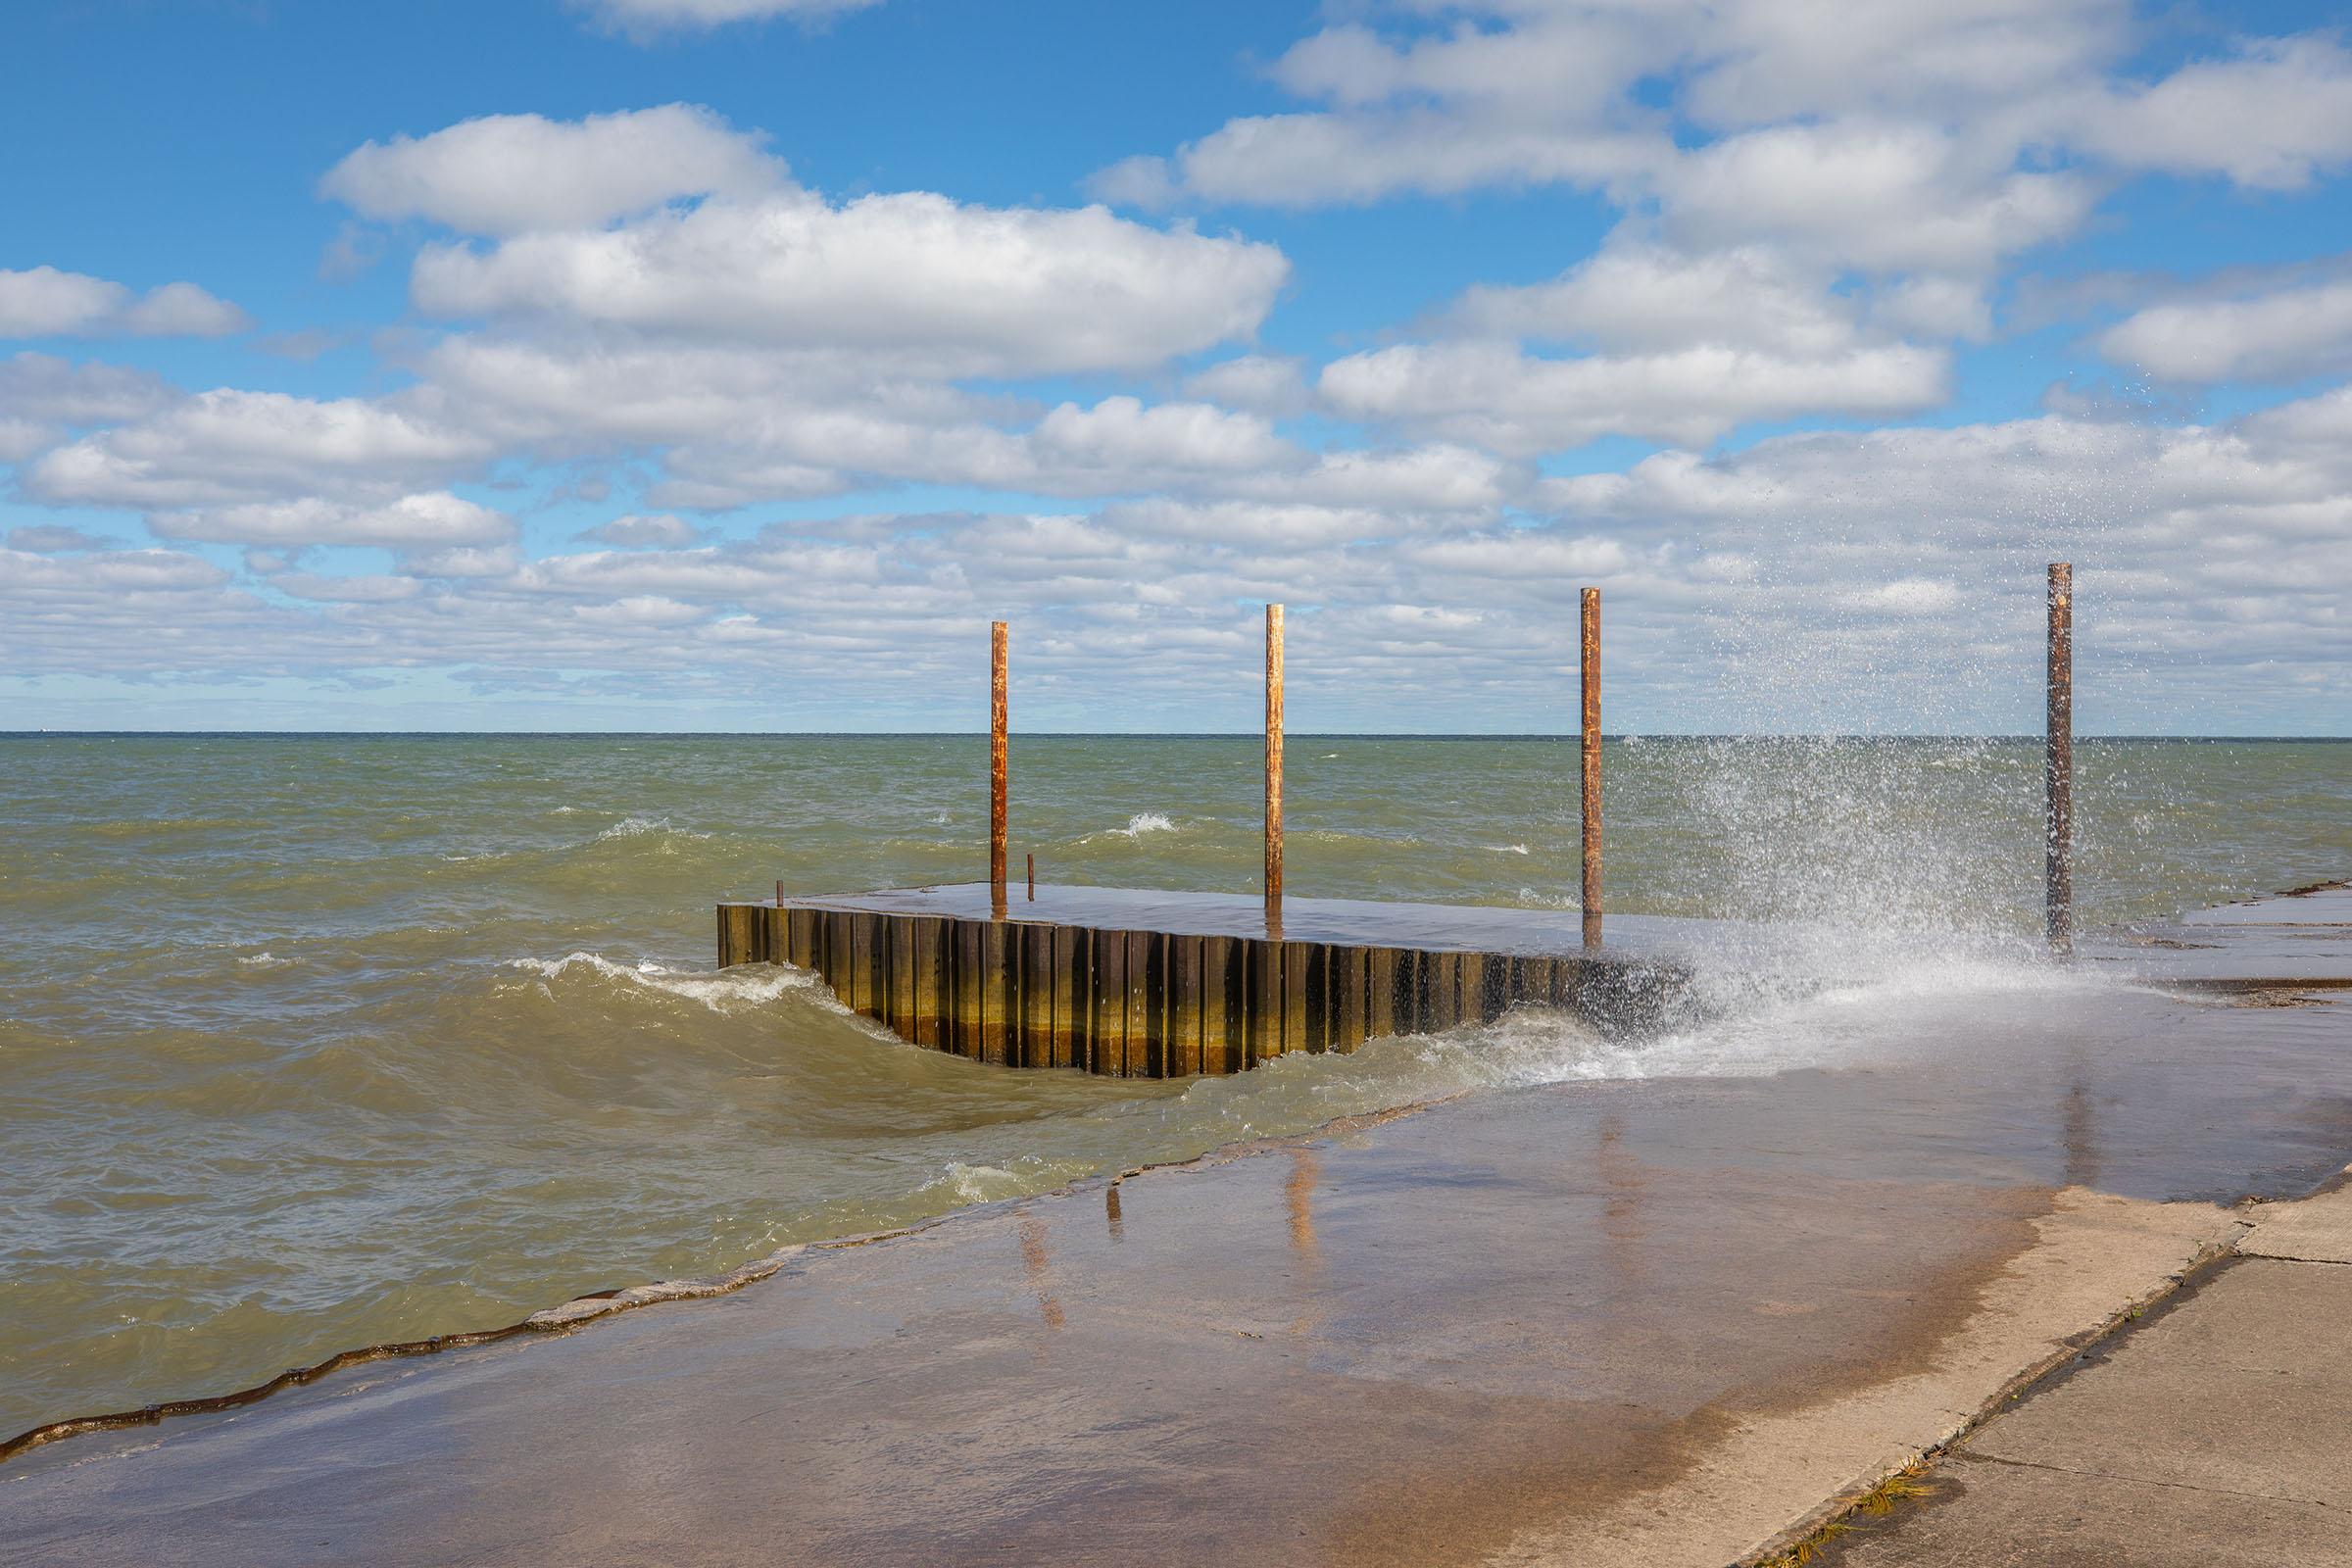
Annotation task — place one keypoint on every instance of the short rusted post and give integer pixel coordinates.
(1273, 755)
(1032, 878)
(779, 895)
(1591, 664)
(2058, 766)
(998, 652)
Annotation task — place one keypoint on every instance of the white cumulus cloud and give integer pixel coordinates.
(230, 447)
(1493, 395)
(921, 281)
(2283, 335)
(515, 174)
(44, 302)
(434, 519)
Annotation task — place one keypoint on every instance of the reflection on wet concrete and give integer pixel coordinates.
(1040, 1271)
(1624, 1181)
(1503, 1317)
(2081, 1136)
(1306, 1168)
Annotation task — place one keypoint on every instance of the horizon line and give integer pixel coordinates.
(1140, 735)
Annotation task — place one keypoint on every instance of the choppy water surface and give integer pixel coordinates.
(311, 1043)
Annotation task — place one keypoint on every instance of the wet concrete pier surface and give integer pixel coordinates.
(2301, 940)
(1658, 1319)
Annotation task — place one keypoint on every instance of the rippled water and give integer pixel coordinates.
(312, 1042)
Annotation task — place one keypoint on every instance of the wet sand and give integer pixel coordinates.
(1647, 1321)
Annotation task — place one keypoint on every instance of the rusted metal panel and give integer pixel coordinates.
(836, 956)
(971, 942)
(998, 982)
(800, 938)
(1346, 989)
(1262, 1000)
(898, 949)
(865, 956)
(926, 939)
(1036, 1036)
(1147, 957)
(1296, 964)
(1073, 1012)
(1223, 1039)
(1380, 993)
(1109, 1038)
(1182, 1055)
(1477, 987)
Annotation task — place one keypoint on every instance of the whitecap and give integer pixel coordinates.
(629, 827)
(718, 990)
(266, 959)
(1138, 826)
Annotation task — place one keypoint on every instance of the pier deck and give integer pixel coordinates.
(1156, 984)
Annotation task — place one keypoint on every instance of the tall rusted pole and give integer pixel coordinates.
(998, 651)
(2058, 766)
(1590, 663)
(1274, 754)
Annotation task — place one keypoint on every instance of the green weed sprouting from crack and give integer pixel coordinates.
(1905, 1484)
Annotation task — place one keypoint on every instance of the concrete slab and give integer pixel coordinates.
(1994, 1515)
(2301, 938)
(2244, 1388)
(2213, 1432)
(2316, 1230)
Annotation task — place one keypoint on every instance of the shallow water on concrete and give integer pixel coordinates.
(310, 1044)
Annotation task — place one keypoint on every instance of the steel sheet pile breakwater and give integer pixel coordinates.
(1163, 985)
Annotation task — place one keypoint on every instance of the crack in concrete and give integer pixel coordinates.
(2137, 1481)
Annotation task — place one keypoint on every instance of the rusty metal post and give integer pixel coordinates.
(1274, 755)
(779, 895)
(1590, 664)
(998, 652)
(2058, 766)
(1032, 878)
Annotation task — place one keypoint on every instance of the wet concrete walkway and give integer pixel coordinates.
(2214, 1432)
(1650, 1320)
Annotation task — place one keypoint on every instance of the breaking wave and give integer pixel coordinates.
(721, 989)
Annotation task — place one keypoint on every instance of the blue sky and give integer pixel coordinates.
(729, 364)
